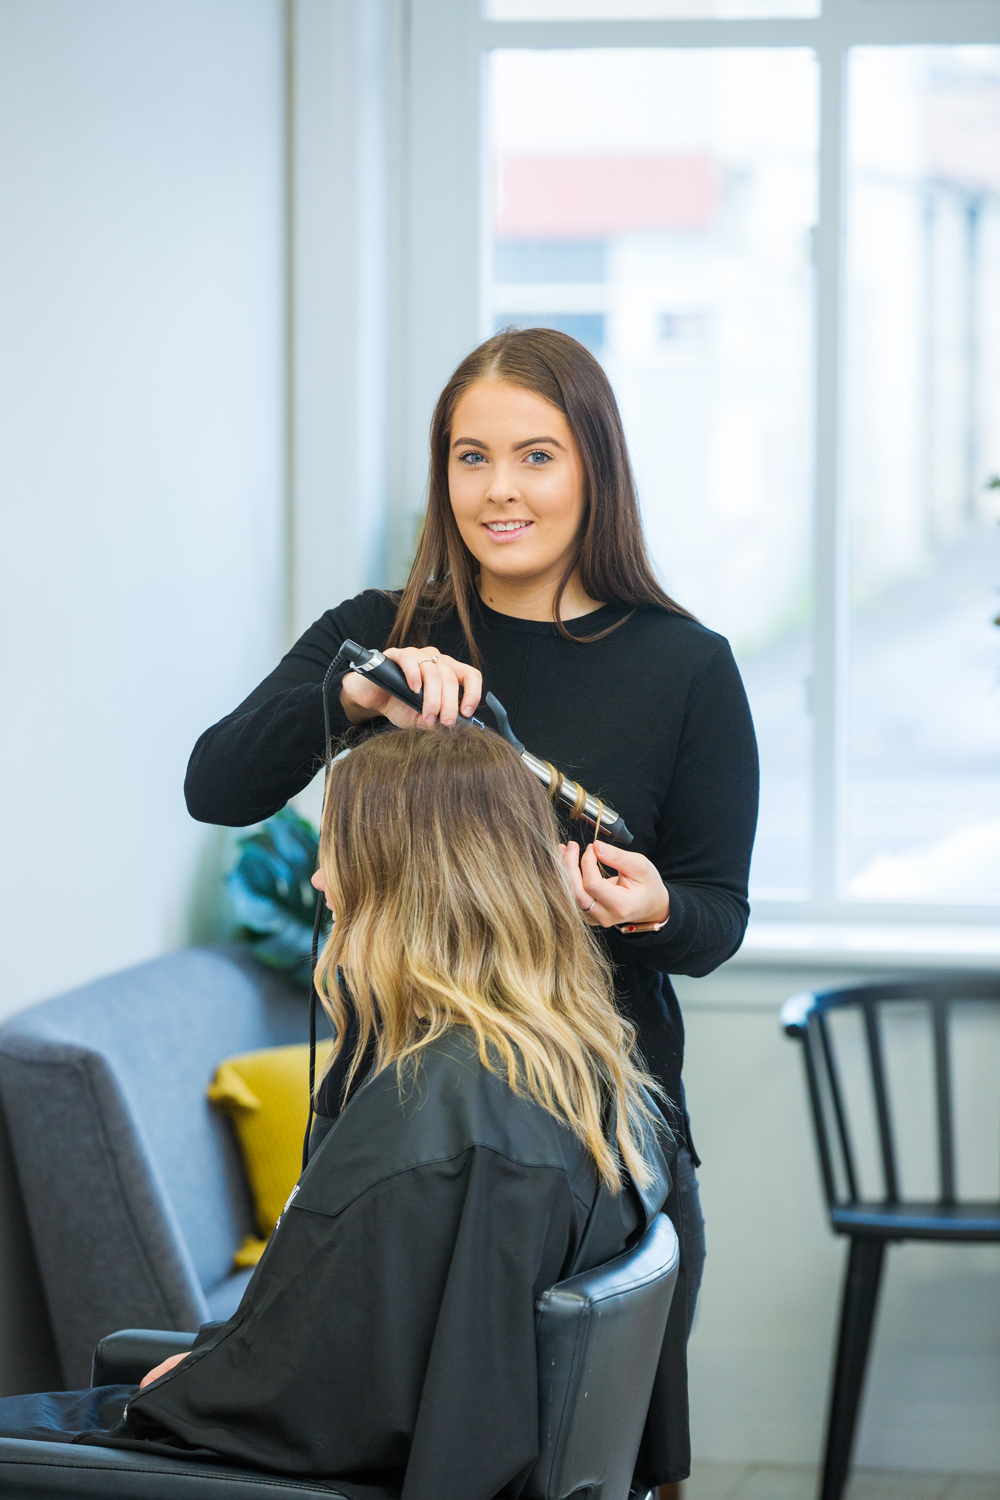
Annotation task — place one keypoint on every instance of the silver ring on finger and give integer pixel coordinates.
(590, 907)
(434, 659)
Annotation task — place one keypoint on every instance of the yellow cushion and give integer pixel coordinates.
(266, 1095)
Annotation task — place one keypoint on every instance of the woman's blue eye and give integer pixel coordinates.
(464, 457)
(540, 453)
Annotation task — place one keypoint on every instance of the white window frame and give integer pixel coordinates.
(433, 206)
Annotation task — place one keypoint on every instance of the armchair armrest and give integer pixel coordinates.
(123, 1358)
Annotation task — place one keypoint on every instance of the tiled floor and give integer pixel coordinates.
(710, 1481)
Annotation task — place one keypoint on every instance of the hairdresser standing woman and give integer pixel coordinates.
(532, 581)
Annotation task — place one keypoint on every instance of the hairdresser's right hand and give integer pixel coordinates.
(441, 678)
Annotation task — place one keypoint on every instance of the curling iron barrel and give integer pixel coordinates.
(582, 804)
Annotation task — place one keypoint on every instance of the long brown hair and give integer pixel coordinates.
(610, 552)
(453, 909)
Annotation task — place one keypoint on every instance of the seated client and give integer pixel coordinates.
(484, 1131)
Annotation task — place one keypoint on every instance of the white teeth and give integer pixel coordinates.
(507, 525)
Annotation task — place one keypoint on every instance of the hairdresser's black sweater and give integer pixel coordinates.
(653, 718)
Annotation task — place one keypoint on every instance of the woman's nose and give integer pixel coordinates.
(318, 881)
(502, 491)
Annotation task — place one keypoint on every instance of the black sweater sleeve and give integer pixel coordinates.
(247, 766)
(706, 828)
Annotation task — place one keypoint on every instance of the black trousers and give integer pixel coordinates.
(665, 1455)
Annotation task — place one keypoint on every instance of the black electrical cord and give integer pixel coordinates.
(313, 999)
(317, 924)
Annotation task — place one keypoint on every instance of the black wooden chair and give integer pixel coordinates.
(875, 1055)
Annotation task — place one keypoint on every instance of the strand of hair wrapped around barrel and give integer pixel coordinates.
(556, 783)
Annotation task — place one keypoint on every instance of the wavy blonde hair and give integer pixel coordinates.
(453, 908)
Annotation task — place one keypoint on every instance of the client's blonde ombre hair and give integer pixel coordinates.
(453, 908)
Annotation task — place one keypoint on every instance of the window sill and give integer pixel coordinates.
(857, 945)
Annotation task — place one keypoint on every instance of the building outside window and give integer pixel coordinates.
(777, 225)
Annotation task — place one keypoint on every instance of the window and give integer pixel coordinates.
(664, 200)
(922, 439)
(779, 230)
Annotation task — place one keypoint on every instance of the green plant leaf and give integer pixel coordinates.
(271, 893)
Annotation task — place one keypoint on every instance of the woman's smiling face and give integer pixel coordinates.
(516, 482)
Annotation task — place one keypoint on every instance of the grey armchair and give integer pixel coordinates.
(133, 1190)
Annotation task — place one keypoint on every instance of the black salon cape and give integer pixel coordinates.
(387, 1338)
(653, 718)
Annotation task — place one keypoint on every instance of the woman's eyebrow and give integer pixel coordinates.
(469, 442)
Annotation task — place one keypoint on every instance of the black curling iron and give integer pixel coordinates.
(582, 804)
(381, 669)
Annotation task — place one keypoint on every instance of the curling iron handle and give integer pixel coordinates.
(386, 673)
(380, 669)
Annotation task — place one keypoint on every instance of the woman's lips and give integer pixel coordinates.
(521, 529)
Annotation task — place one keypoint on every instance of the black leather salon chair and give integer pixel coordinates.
(877, 1055)
(599, 1336)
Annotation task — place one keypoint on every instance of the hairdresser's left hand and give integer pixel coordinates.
(634, 898)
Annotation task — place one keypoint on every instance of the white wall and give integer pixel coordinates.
(142, 553)
(344, 97)
(141, 452)
(763, 1342)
